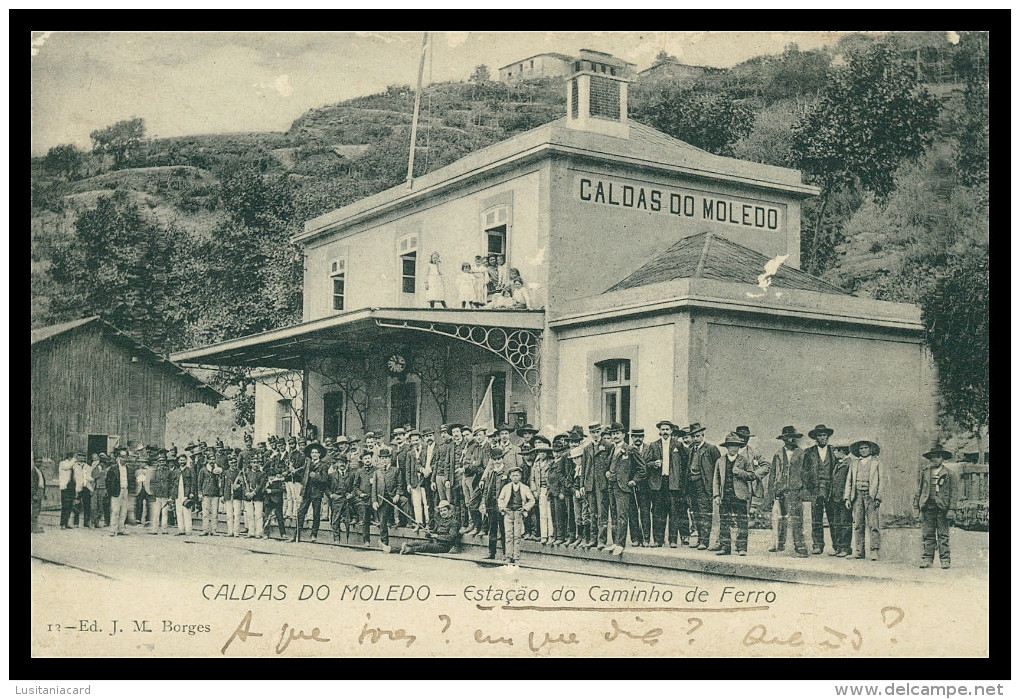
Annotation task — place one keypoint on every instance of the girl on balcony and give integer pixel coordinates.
(466, 286)
(435, 290)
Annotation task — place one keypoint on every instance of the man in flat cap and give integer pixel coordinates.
(938, 491)
(362, 482)
(818, 463)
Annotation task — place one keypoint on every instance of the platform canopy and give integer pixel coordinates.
(290, 347)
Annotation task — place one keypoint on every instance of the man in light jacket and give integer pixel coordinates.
(731, 490)
(863, 494)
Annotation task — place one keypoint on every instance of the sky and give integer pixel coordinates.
(214, 82)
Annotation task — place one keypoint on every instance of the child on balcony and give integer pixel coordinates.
(466, 284)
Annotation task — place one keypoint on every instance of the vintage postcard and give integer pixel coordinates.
(534, 344)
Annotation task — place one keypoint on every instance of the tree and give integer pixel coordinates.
(481, 74)
(873, 116)
(663, 57)
(956, 318)
(120, 140)
(700, 116)
(249, 278)
(896, 246)
(65, 160)
(118, 265)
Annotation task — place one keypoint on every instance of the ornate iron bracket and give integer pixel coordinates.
(518, 348)
(348, 373)
(287, 384)
(431, 364)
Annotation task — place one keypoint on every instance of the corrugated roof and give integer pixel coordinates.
(51, 331)
(712, 256)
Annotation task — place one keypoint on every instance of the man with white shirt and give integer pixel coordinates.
(68, 492)
(666, 460)
(83, 490)
(120, 484)
(414, 463)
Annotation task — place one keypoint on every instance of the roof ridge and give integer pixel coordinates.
(784, 267)
(704, 254)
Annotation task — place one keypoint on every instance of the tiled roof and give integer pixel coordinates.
(711, 256)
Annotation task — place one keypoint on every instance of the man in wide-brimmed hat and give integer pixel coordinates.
(527, 433)
(731, 490)
(865, 485)
(314, 481)
(938, 489)
(786, 481)
(699, 483)
(542, 526)
(818, 463)
(450, 472)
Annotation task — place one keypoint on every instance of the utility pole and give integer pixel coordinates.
(414, 119)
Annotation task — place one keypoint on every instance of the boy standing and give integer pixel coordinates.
(863, 495)
(937, 491)
(515, 501)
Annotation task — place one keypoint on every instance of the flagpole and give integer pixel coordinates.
(414, 119)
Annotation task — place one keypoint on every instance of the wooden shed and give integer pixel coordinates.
(93, 387)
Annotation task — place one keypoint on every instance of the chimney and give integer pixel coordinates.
(597, 94)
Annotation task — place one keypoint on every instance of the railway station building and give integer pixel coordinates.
(665, 283)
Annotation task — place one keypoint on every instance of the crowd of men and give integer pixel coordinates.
(599, 489)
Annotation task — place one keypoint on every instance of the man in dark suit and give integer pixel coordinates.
(786, 482)
(666, 460)
(819, 461)
(120, 484)
(701, 469)
(626, 470)
(450, 473)
(387, 493)
(641, 513)
(314, 481)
